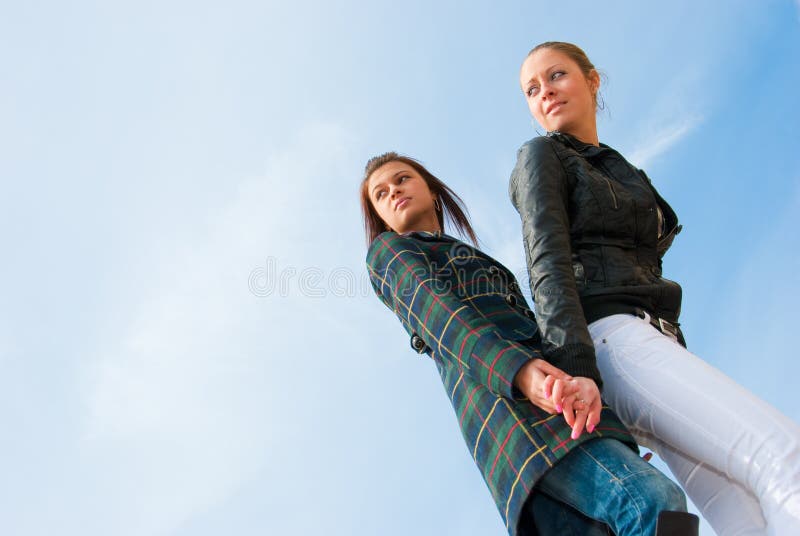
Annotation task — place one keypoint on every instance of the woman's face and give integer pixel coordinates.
(559, 96)
(402, 199)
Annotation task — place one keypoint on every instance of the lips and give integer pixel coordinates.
(403, 201)
(554, 107)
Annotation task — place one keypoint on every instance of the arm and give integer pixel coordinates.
(538, 190)
(404, 280)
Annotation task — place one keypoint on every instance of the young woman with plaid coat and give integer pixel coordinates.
(554, 458)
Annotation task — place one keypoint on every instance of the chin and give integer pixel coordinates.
(563, 126)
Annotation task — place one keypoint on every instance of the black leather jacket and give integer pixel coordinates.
(590, 224)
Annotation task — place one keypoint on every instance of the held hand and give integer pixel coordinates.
(536, 379)
(581, 404)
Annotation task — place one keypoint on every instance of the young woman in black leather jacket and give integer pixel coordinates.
(595, 230)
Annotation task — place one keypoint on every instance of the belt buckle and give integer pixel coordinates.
(668, 328)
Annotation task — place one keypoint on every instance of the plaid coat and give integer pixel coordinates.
(464, 310)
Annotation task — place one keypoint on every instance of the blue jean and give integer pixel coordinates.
(600, 485)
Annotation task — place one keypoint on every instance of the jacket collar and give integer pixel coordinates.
(586, 149)
(429, 235)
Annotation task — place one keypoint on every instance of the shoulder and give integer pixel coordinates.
(390, 245)
(383, 243)
(536, 146)
(538, 160)
(540, 151)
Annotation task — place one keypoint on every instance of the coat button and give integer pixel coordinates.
(511, 300)
(513, 286)
(530, 314)
(418, 344)
(494, 270)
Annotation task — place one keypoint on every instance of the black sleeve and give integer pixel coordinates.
(539, 191)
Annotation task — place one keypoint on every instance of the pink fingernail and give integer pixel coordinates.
(558, 408)
(574, 435)
(590, 428)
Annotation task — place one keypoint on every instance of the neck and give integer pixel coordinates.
(586, 133)
(429, 224)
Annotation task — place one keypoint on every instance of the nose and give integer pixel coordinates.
(546, 90)
(394, 189)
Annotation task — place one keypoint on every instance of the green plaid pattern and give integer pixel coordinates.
(468, 310)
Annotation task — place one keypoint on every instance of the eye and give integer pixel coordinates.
(557, 74)
(403, 178)
(532, 91)
(379, 195)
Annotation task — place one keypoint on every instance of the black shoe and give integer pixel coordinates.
(677, 524)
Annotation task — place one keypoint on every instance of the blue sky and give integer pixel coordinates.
(164, 163)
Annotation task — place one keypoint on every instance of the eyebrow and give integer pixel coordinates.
(381, 184)
(546, 70)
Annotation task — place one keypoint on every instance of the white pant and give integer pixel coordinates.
(737, 457)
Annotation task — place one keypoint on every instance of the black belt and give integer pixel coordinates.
(670, 329)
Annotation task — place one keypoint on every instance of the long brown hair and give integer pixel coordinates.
(449, 202)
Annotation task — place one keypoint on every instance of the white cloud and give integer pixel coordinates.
(200, 393)
(662, 140)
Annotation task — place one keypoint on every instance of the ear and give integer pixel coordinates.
(594, 81)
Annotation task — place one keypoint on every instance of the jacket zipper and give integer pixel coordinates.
(613, 194)
(673, 232)
(610, 186)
